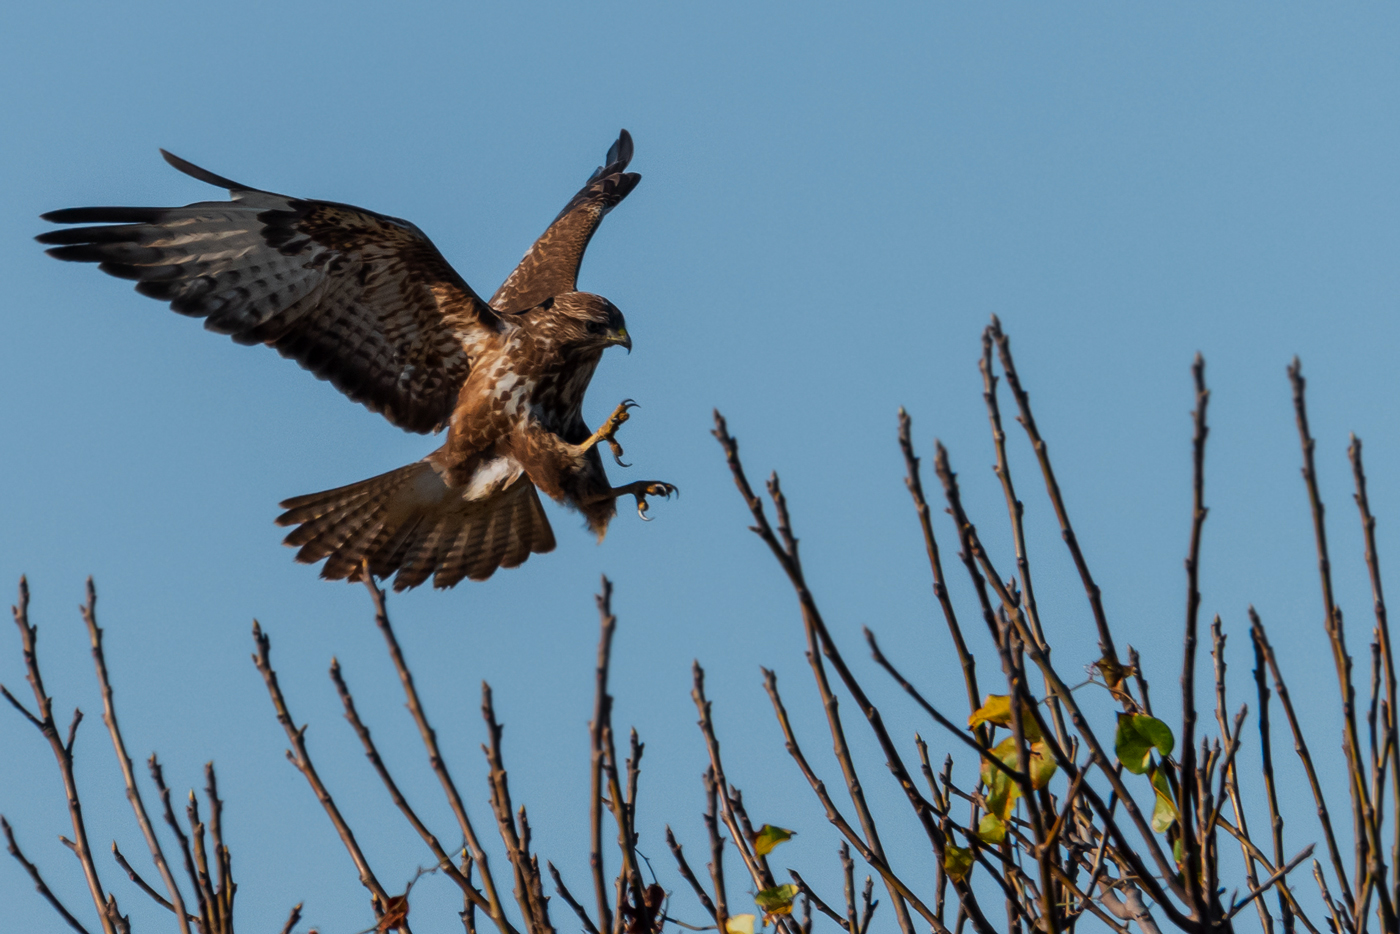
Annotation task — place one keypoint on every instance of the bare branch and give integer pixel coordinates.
(435, 760)
(292, 919)
(299, 757)
(822, 906)
(689, 875)
(39, 885)
(107, 911)
(1052, 487)
(1191, 844)
(1263, 887)
(940, 587)
(602, 704)
(572, 902)
(444, 860)
(770, 683)
(1336, 634)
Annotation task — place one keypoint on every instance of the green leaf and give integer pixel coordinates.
(768, 837)
(957, 862)
(991, 829)
(1042, 767)
(777, 900)
(1164, 812)
(1137, 735)
(1001, 790)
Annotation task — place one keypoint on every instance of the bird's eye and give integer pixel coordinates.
(595, 327)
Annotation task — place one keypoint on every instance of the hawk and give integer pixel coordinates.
(367, 302)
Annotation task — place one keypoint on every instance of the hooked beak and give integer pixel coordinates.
(620, 336)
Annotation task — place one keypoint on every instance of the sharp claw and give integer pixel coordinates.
(642, 509)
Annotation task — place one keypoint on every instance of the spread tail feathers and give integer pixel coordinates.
(408, 520)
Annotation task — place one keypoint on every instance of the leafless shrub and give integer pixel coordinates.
(1065, 816)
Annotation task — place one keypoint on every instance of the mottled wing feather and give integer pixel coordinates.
(551, 266)
(408, 520)
(360, 299)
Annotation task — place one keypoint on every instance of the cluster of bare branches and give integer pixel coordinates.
(206, 858)
(1057, 825)
(1061, 816)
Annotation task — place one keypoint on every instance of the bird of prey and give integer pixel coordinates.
(367, 302)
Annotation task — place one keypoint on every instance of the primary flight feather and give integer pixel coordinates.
(367, 302)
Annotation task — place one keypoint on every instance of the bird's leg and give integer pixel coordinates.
(608, 431)
(642, 489)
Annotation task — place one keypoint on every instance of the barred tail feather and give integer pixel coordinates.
(410, 522)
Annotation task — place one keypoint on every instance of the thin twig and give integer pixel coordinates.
(1192, 845)
(822, 906)
(226, 885)
(689, 875)
(1263, 887)
(444, 860)
(719, 792)
(1052, 487)
(141, 883)
(915, 484)
(529, 889)
(602, 702)
(1336, 634)
(1300, 745)
(292, 919)
(770, 683)
(133, 794)
(40, 885)
(572, 902)
(107, 911)
(784, 546)
(299, 757)
(1098, 757)
(435, 759)
(1015, 512)
(1368, 527)
(158, 777)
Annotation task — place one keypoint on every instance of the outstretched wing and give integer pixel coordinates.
(360, 299)
(550, 268)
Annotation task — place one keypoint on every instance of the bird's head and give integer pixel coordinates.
(586, 321)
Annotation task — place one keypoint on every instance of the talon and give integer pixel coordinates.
(608, 431)
(617, 452)
(642, 508)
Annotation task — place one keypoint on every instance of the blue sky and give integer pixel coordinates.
(834, 202)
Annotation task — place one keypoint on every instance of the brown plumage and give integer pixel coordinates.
(367, 302)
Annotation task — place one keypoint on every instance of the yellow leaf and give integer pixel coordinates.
(739, 924)
(1113, 673)
(1042, 765)
(996, 710)
(957, 862)
(768, 837)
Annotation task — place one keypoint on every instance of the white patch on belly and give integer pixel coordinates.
(491, 477)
